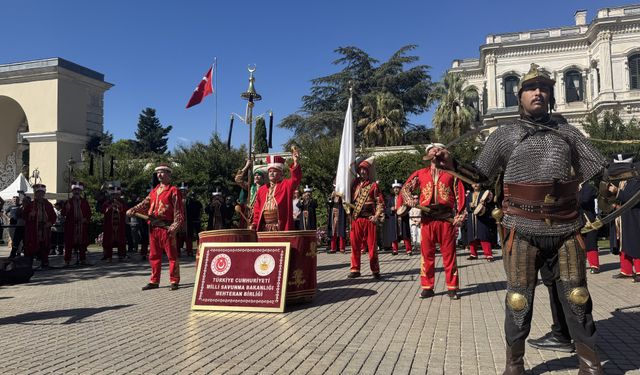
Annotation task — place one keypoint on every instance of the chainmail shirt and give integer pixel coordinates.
(531, 153)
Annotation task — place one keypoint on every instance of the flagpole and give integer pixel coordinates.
(215, 72)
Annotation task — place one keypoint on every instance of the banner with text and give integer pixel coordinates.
(241, 276)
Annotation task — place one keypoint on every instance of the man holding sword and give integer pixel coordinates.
(164, 209)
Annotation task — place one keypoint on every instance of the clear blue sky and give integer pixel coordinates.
(155, 52)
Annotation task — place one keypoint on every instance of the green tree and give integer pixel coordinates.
(454, 114)
(611, 135)
(208, 166)
(382, 120)
(151, 136)
(398, 166)
(260, 143)
(323, 110)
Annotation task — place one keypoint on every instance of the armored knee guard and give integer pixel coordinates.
(520, 267)
(573, 279)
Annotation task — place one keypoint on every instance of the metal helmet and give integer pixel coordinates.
(536, 75)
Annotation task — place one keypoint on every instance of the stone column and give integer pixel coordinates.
(561, 95)
(586, 96)
(490, 73)
(606, 71)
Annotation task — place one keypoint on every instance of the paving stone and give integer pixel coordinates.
(96, 320)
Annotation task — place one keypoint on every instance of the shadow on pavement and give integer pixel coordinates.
(621, 340)
(331, 296)
(492, 286)
(98, 269)
(74, 315)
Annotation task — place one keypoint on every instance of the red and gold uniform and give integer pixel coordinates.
(369, 208)
(77, 213)
(164, 205)
(273, 209)
(114, 210)
(39, 217)
(445, 196)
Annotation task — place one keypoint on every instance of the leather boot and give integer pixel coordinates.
(515, 359)
(588, 359)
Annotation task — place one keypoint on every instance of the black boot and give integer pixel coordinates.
(551, 342)
(588, 359)
(515, 359)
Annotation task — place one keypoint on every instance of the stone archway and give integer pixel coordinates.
(48, 110)
(13, 121)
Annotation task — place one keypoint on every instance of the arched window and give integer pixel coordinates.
(634, 71)
(573, 86)
(473, 101)
(511, 91)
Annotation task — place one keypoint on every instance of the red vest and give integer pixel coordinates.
(437, 187)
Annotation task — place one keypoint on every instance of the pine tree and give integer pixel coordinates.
(260, 143)
(151, 136)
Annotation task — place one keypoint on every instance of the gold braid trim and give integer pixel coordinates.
(363, 193)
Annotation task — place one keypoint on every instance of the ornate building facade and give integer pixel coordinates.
(596, 66)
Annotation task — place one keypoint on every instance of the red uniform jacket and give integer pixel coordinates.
(368, 199)
(77, 215)
(437, 187)
(284, 197)
(39, 217)
(165, 203)
(114, 221)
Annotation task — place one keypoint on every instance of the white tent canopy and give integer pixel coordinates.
(20, 183)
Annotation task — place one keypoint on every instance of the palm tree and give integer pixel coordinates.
(383, 121)
(455, 113)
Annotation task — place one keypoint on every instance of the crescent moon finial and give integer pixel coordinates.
(251, 68)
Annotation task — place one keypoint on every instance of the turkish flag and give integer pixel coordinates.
(204, 88)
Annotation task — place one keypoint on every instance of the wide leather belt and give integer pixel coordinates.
(542, 201)
(539, 192)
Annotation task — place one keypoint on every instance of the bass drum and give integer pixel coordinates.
(302, 280)
(226, 235)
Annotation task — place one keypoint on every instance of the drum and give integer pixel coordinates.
(226, 235)
(303, 265)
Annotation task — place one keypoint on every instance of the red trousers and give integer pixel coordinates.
(69, 250)
(486, 248)
(41, 252)
(159, 242)
(363, 231)
(592, 258)
(333, 243)
(107, 249)
(444, 233)
(628, 264)
(407, 246)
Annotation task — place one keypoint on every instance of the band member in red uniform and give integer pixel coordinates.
(397, 227)
(368, 211)
(444, 197)
(273, 209)
(114, 210)
(166, 216)
(77, 213)
(39, 217)
(336, 224)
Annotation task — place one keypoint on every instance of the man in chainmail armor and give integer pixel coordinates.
(543, 160)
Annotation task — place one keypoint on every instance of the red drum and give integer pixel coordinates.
(303, 265)
(226, 235)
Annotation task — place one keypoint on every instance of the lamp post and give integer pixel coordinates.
(251, 96)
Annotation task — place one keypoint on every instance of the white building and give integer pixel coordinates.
(596, 66)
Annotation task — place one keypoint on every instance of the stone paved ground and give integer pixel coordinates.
(97, 321)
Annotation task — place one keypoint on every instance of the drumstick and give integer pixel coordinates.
(239, 210)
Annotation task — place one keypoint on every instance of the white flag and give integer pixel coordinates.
(346, 161)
